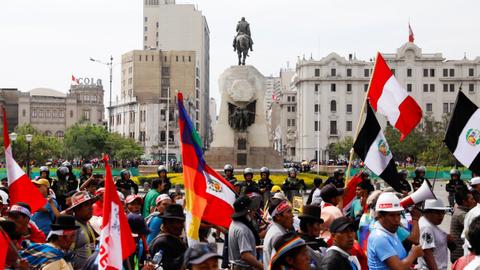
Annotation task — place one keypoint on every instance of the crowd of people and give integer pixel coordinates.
(374, 231)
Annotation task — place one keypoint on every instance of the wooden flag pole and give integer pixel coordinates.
(360, 118)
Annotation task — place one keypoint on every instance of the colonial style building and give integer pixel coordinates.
(52, 112)
(330, 92)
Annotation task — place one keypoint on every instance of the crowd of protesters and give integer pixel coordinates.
(268, 230)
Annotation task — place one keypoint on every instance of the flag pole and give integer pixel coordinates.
(360, 118)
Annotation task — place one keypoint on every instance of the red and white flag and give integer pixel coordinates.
(75, 81)
(389, 98)
(350, 193)
(4, 245)
(411, 37)
(20, 187)
(116, 241)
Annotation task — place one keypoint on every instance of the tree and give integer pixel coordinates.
(85, 141)
(341, 148)
(120, 147)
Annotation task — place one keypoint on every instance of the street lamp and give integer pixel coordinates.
(29, 138)
(13, 138)
(110, 65)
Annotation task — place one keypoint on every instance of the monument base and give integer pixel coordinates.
(255, 157)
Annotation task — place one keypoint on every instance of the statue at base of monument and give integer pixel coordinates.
(240, 118)
(242, 41)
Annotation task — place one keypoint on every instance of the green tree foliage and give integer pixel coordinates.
(90, 141)
(341, 148)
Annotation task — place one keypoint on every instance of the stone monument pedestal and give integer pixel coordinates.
(249, 147)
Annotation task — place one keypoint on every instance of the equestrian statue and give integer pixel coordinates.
(242, 41)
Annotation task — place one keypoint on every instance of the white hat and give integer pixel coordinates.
(162, 197)
(388, 202)
(475, 181)
(432, 204)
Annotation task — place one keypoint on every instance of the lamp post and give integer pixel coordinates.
(13, 138)
(110, 66)
(29, 138)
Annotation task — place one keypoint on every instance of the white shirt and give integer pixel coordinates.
(431, 236)
(473, 265)
(473, 213)
(316, 198)
(273, 233)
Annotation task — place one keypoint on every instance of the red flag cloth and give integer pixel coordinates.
(411, 37)
(350, 191)
(20, 187)
(4, 245)
(74, 80)
(389, 98)
(116, 241)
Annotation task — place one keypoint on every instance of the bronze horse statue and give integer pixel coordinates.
(242, 43)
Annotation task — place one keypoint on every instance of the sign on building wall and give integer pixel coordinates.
(89, 82)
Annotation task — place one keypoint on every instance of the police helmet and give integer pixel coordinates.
(44, 169)
(264, 170)
(455, 172)
(63, 170)
(228, 167)
(248, 171)
(292, 170)
(162, 168)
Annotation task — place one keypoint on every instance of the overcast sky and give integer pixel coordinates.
(44, 42)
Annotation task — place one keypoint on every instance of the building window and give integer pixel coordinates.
(471, 72)
(365, 87)
(71, 113)
(471, 87)
(409, 72)
(445, 108)
(333, 128)
(86, 114)
(293, 98)
(333, 87)
(452, 72)
(333, 72)
(316, 126)
(289, 98)
(445, 87)
(146, 19)
(34, 113)
(24, 112)
(165, 71)
(317, 72)
(425, 87)
(189, 58)
(293, 109)
(288, 109)
(316, 108)
(333, 106)
(349, 126)
(164, 92)
(425, 72)
(176, 58)
(432, 87)
(349, 72)
(157, 24)
(317, 86)
(409, 87)
(145, 38)
(452, 87)
(366, 72)
(349, 87)
(432, 72)
(290, 122)
(145, 29)
(349, 108)
(445, 72)
(429, 107)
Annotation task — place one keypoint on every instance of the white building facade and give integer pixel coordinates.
(330, 92)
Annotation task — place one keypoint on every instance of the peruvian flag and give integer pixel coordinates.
(350, 191)
(116, 241)
(75, 81)
(4, 245)
(411, 37)
(20, 187)
(389, 98)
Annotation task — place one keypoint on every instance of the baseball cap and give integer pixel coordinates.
(162, 197)
(342, 224)
(475, 181)
(41, 181)
(199, 253)
(133, 197)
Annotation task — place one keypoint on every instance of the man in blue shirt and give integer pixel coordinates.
(45, 216)
(385, 250)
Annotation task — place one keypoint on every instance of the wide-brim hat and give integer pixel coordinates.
(242, 206)
(41, 181)
(173, 211)
(64, 222)
(284, 246)
(80, 198)
(312, 212)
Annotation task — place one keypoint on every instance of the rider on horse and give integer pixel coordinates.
(243, 27)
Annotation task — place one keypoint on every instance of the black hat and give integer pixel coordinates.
(173, 211)
(242, 206)
(137, 224)
(341, 224)
(312, 212)
(199, 253)
(64, 222)
(330, 191)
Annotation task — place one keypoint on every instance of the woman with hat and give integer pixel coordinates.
(168, 247)
(290, 253)
(310, 227)
(54, 255)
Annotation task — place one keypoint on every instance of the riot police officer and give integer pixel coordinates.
(125, 184)
(249, 185)
(455, 184)
(45, 174)
(85, 173)
(419, 177)
(292, 185)
(228, 170)
(337, 179)
(406, 188)
(265, 184)
(162, 175)
(71, 176)
(62, 185)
